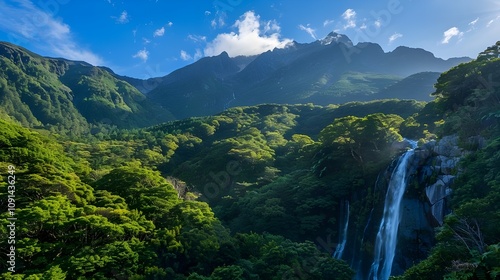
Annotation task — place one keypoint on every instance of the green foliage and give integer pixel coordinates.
(468, 242)
(99, 210)
(228, 272)
(102, 98)
(478, 190)
(70, 98)
(471, 93)
(143, 190)
(271, 178)
(33, 95)
(248, 190)
(361, 84)
(363, 138)
(490, 52)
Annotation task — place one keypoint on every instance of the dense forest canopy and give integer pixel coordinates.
(251, 193)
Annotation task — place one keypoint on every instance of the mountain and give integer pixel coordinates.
(271, 191)
(330, 70)
(74, 96)
(420, 61)
(415, 86)
(69, 95)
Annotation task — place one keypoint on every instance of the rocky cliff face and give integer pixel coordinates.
(438, 173)
(435, 166)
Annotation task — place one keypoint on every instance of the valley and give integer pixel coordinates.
(298, 163)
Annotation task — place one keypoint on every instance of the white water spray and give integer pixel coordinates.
(385, 245)
(340, 248)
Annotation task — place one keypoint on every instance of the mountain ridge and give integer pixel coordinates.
(70, 96)
(327, 71)
(301, 73)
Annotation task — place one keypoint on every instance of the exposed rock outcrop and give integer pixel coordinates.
(443, 166)
(434, 167)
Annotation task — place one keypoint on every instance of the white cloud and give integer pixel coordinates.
(219, 20)
(197, 38)
(198, 54)
(249, 40)
(25, 21)
(159, 32)
(472, 25)
(169, 24)
(378, 23)
(271, 26)
(492, 21)
(350, 17)
(185, 56)
(142, 54)
(450, 33)
(394, 37)
(309, 30)
(123, 18)
(207, 13)
(474, 22)
(327, 22)
(222, 21)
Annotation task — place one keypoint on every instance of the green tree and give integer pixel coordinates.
(142, 189)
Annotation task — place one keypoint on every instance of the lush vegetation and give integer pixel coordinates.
(68, 97)
(130, 223)
(468, 243)
(116, 206)
(331, 71)
(251, 193)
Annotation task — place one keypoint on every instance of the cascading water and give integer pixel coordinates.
(385, 244)
(226, 106)
(342, 238)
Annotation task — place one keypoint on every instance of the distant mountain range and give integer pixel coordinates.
(73, 95)
(331, 70)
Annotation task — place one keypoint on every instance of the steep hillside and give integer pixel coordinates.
(102, 98)
(328, 71)
(32, 93)
(331, 70)
(68, 96)
(468, 244)
(417, 86)
(184, 86)
(266, 192)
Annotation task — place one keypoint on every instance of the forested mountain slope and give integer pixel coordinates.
(255, 192)
(468, 244)
(74, 97)
(327, 71)
(69, 97)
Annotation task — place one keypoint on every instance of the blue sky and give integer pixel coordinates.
(152, 38)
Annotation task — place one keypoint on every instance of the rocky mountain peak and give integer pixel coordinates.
(334, 37)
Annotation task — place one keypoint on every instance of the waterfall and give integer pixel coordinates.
(226, 106)
(385, 244)
(366, 226)
(343, 237)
